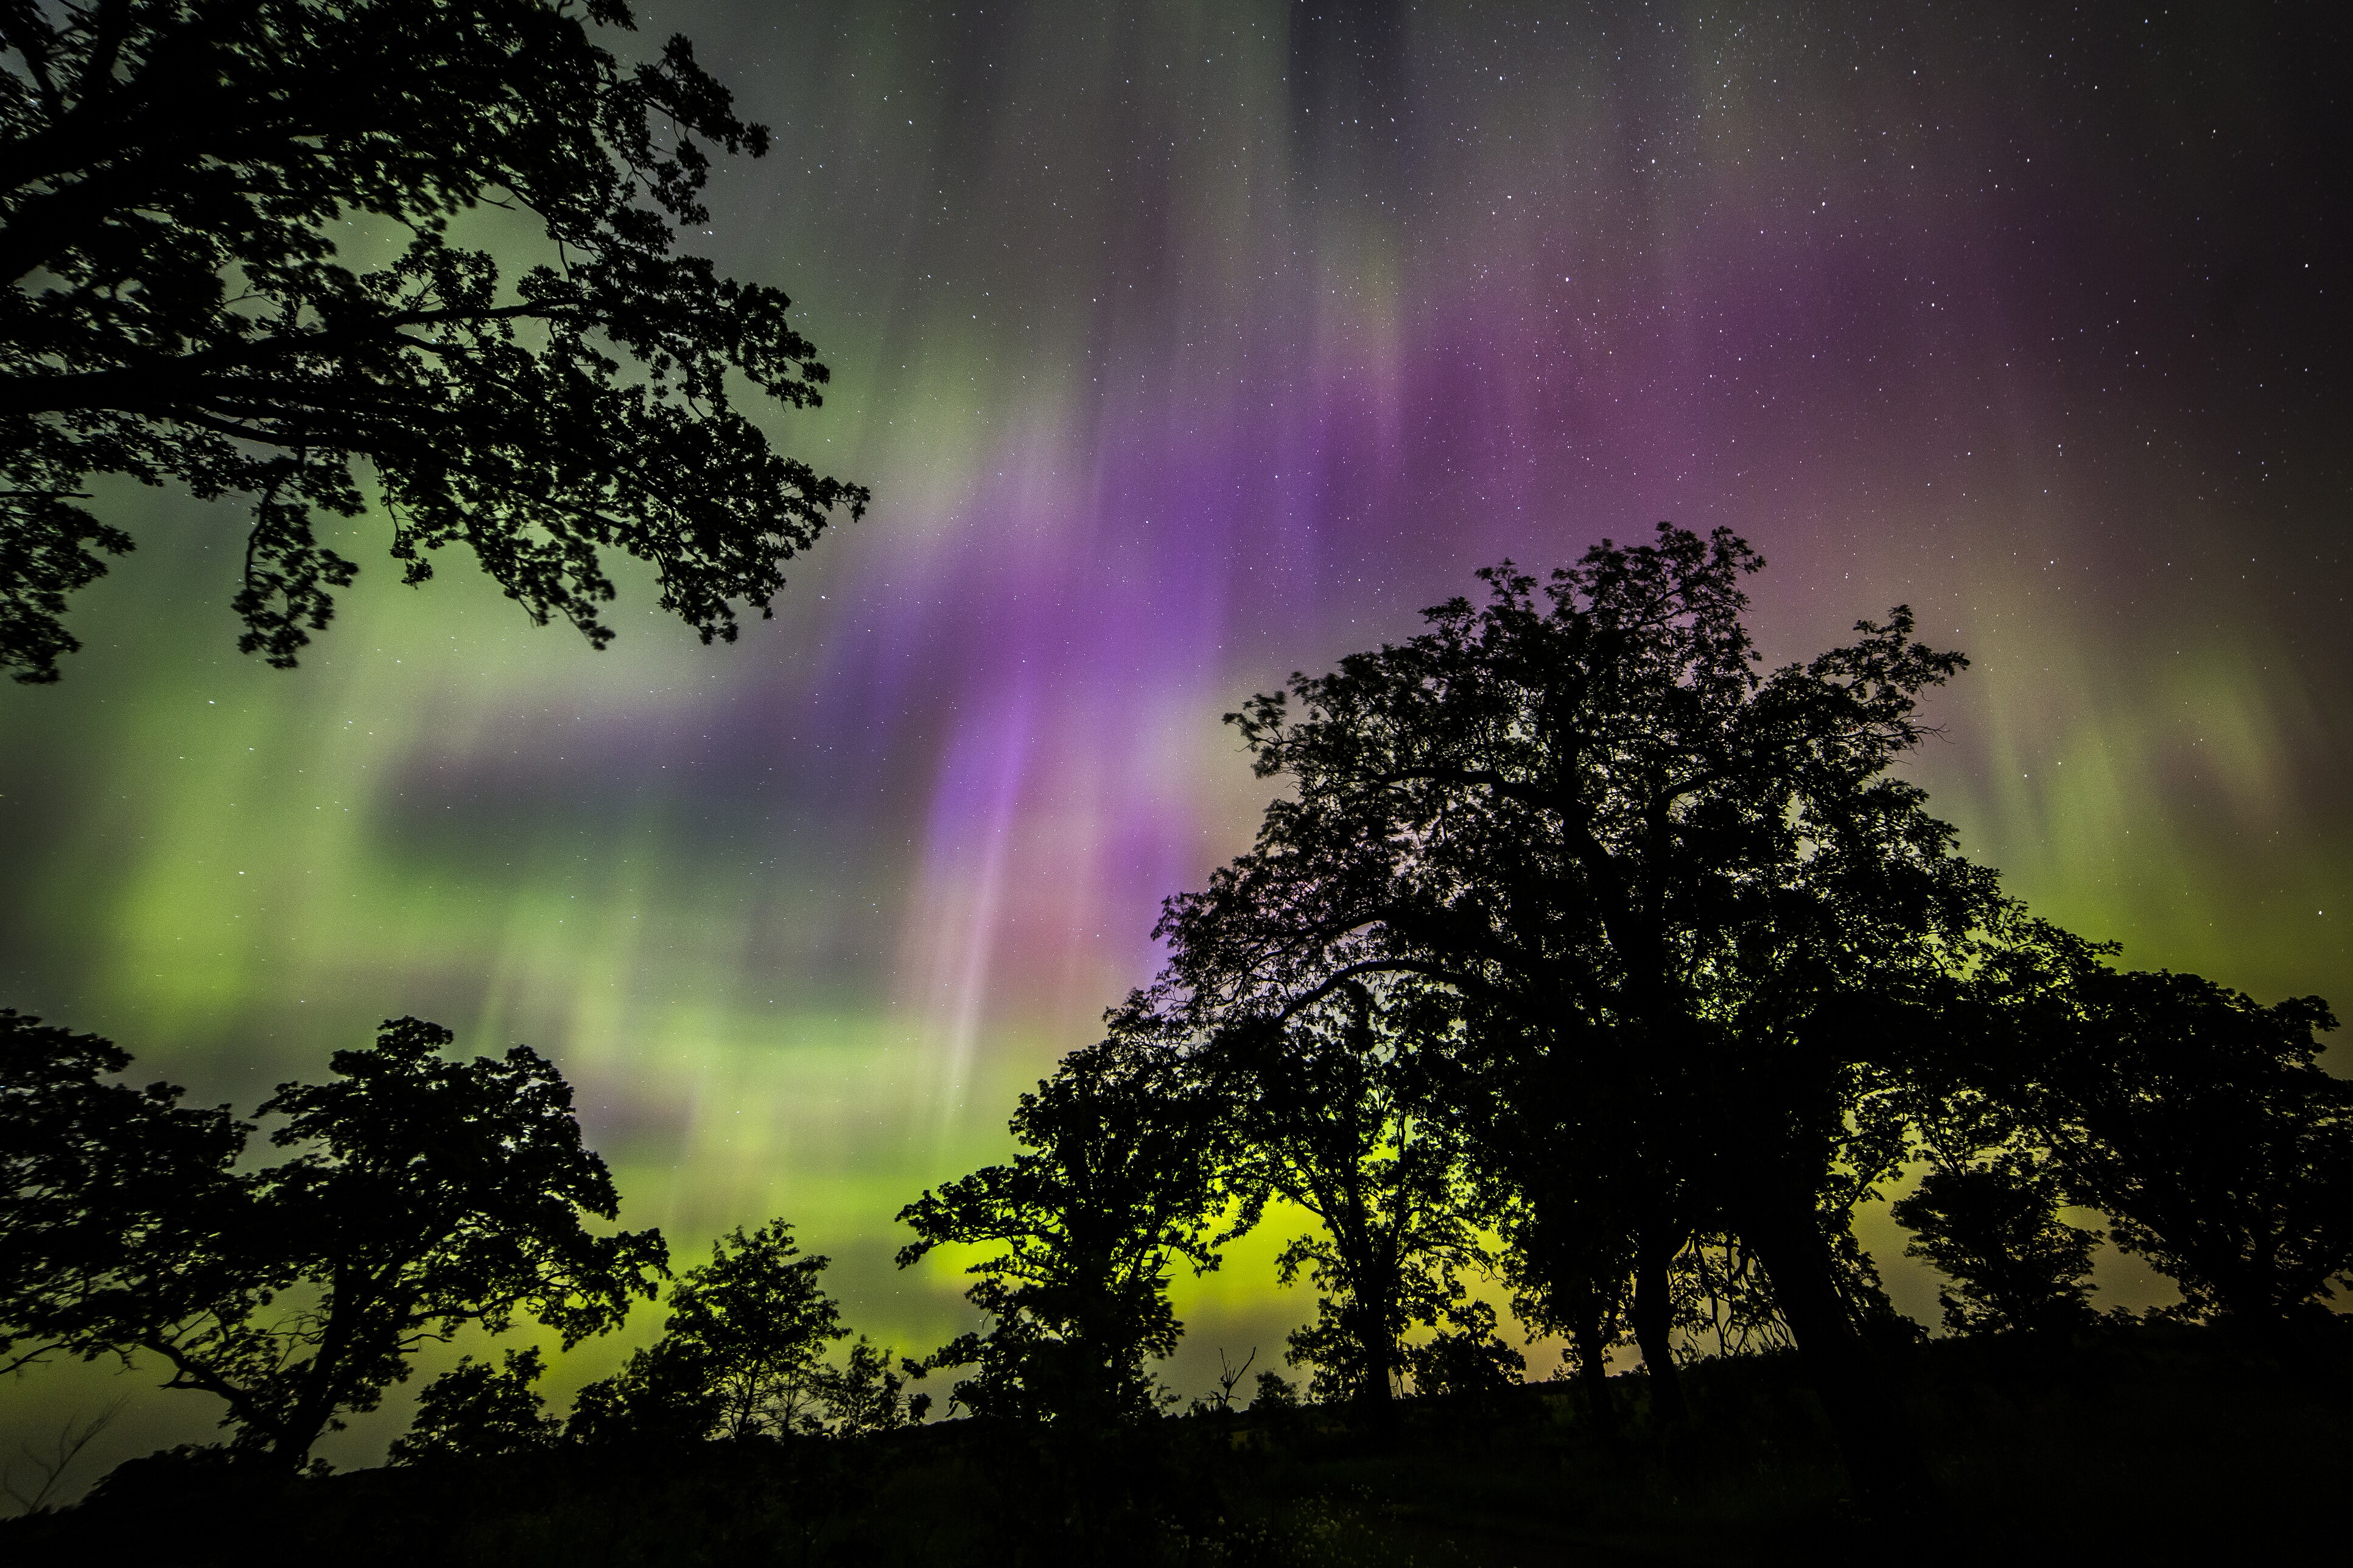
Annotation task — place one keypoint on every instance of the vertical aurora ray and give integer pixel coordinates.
(1186, 345)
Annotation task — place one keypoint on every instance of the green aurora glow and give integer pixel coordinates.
(1174, 368)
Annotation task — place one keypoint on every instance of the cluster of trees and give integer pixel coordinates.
(232, 259)
(420, 1196)
(1583, 953)
(742, 1356)
(231, 242)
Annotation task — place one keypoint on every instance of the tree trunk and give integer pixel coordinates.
(1883, 1459)
(1593, 1370)
(1375, 1394)
(292, 1442)
(1654, 1318)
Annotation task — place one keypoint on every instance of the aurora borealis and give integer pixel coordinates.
(1186, 345)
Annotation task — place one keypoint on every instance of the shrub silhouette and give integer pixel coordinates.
(477, 1411)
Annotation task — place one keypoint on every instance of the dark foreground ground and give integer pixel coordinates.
(2143, 1445)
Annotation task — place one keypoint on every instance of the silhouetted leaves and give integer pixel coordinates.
(1994, 1229)
(425, 1195)
(664, 1394)
(745, 1355)
(1275, 1392)
(190, 198)
(2195, 1117)
(1467, 1357)
(1336, 1112)
(1582, 955)
(1114, 1186)
(477, 1411)
(111, 1195)
(1679, 901)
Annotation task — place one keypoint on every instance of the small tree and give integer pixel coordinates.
(1995, 1232)
(865, 1393)
(1229, 1377)
(1466, 1356)
(189, 196)
(758, 1322)
(745, 1355)
(2197, 1118)
(1336, 1112)
(477, 1411)
(662, 1394)
(1113, 1186)
(1275, 1392)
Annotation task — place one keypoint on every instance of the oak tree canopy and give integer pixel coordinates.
(230, 231)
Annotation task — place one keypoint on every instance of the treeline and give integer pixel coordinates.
(419, 1196)
(1580, 953)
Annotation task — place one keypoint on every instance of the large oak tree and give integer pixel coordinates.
(1681, 897)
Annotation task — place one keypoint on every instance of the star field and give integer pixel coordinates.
(1184, 346)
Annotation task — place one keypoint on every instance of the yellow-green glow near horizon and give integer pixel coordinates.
(1183, 348)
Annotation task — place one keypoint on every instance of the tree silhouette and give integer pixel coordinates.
(863, 1393)
(1467, 1356)
(1229, 1377)
(477, 1411)
(2196, 1118)
(190, 198)
(427, 1196)
(745, 1355)
(1275, 1391)
(1570, 1254)
(1994, 1229)
(662, 1395)
(108, 1193)
(1665, 886)
(1336, 1112)
(758, 1322)
(1114, 1186)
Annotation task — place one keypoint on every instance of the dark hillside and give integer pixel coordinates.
(2145, 1444)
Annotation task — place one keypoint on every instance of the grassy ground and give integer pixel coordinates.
(2144, 1445)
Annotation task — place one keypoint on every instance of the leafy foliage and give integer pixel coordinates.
(1467, 1356)
(1275, 1392)
(427, 1196)
(2197, 1118)
(107, 1193)
(477, 1411)
(660, 1395)
(1679, 903)
(1581, 951)
(1994, 1229)
(865, 1394)
(1334, 1113)
(1114, 1186)
(188, 195)
(745, 1355)
(756, 1321)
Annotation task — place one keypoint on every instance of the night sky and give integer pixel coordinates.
(1187, 346)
